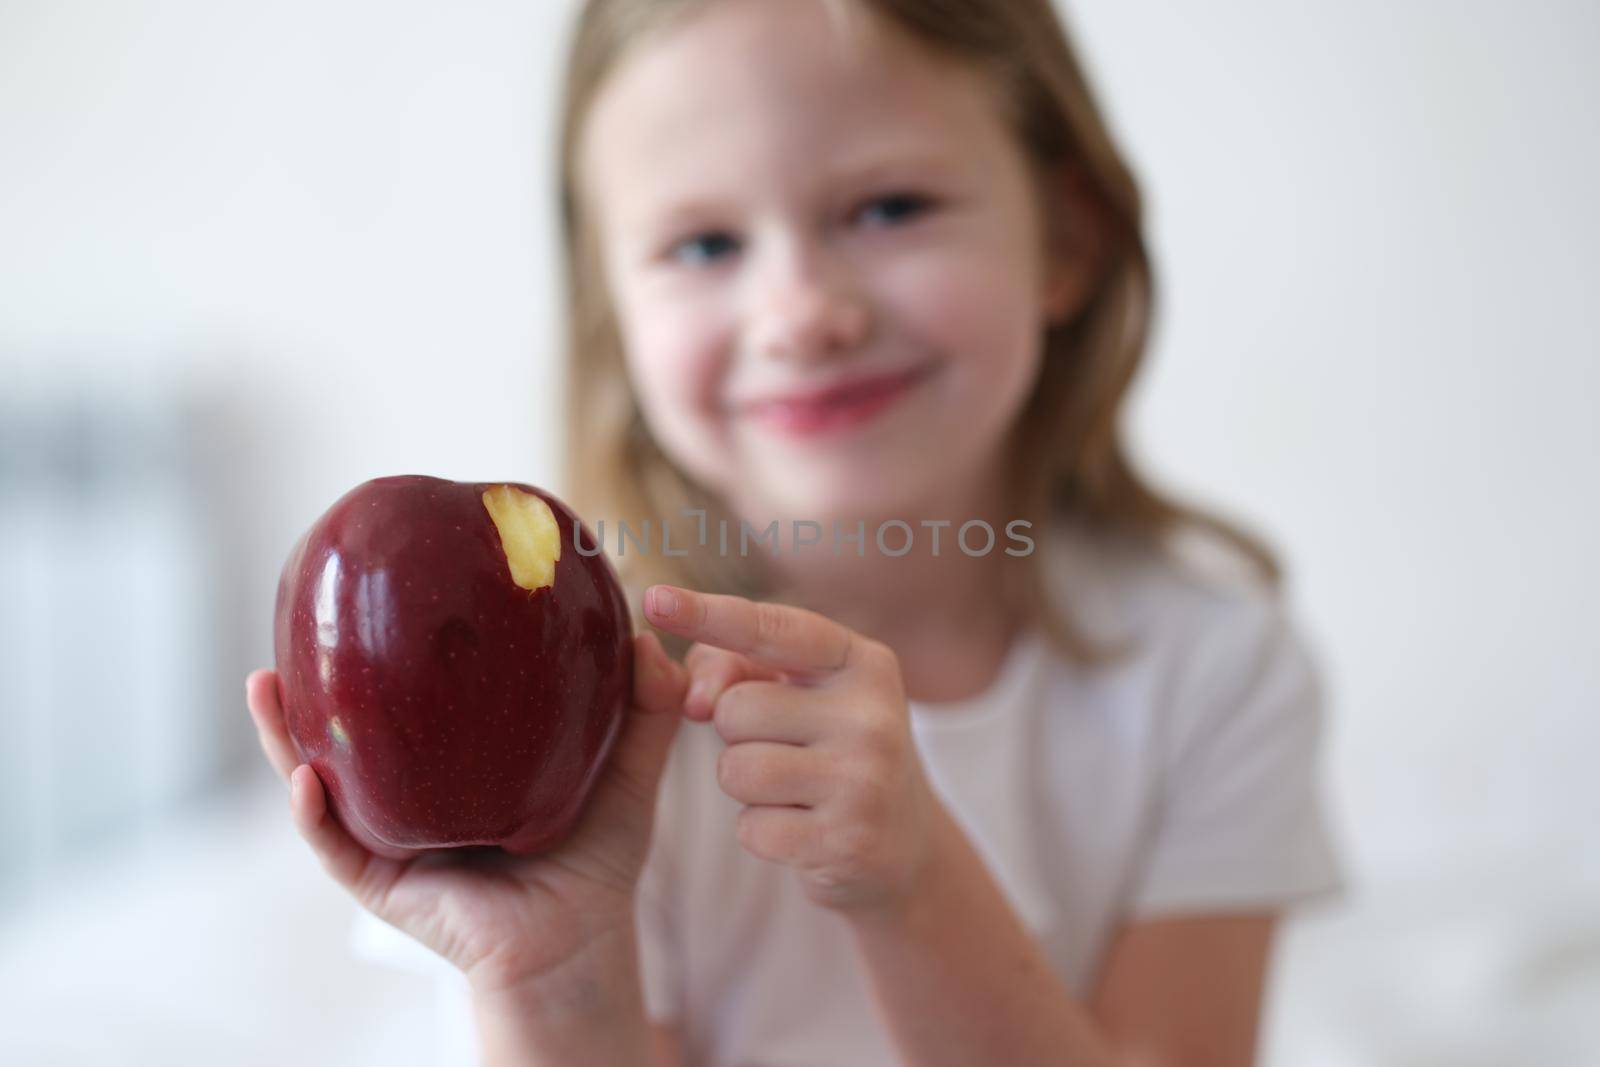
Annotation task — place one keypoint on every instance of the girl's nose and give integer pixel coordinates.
(808, 315)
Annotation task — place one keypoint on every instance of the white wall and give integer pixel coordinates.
(1379, 230)
(1379, 248)
(333, 217)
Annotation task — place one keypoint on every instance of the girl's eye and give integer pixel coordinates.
(900, 205)
(708, 247)
(707, 244)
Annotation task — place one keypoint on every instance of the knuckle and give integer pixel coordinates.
(855, 843)
(880, 656)
(771, 624)
(879, 744)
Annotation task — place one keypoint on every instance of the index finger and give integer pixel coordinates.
(788, 638)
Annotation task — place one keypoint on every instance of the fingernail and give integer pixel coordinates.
(697, 695)
(664, 600)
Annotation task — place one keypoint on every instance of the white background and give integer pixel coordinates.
(332, 226)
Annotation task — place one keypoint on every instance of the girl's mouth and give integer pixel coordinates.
(838, 407)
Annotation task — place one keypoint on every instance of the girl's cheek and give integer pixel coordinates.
(677, 354)
(950, 303)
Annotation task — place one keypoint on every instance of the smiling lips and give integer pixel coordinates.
(836, 407)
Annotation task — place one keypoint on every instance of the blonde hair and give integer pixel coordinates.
(1069, 462)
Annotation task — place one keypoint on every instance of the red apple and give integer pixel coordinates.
(451, 666)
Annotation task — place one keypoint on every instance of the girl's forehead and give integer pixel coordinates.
(743, 89)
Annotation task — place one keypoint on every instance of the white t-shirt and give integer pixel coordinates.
(1181, 779)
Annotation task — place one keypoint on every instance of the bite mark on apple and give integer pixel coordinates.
(529, 534)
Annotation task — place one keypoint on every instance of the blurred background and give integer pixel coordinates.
(253, 254)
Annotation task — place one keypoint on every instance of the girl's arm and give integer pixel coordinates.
(958, 979)
(1187, 989)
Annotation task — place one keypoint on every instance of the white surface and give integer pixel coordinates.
(219, 941)
(1477, 966)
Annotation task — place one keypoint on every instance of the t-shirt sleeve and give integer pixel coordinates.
(1239, 819)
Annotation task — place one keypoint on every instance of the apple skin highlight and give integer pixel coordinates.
(442, 704)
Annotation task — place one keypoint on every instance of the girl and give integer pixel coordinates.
(853, 283)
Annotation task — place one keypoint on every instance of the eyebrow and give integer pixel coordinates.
(917, 162)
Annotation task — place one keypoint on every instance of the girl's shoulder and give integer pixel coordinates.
(1196, 596)
(1221, 707)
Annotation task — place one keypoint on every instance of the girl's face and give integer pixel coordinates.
(828, 263)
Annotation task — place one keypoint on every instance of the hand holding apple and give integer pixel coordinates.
(819, 745)
(472, 737)
(499, 917)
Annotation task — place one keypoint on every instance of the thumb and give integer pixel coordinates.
(654, 717)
